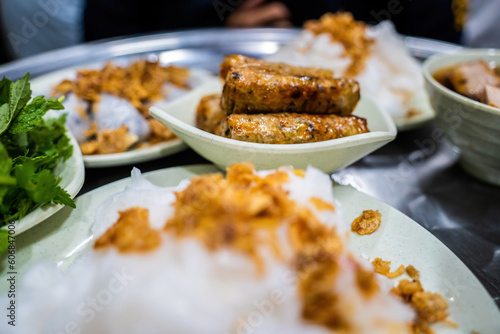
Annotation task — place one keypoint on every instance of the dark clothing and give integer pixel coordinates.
(109, 18)
(429, 18)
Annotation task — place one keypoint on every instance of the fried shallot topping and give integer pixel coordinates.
(430, 307)
(367, 223)
(412, 272)
(299, 173)
(343, 28)
(384, 268)
(159, 132)
(110, 141)
(132, 233)
(321, 204)
(244, 212)
(140, 83)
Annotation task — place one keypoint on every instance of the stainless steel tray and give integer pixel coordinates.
(416, 174)
(201, 48)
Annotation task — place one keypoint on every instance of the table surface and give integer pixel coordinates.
(417, 173)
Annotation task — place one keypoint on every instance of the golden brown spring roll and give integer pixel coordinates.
(209, 112)
(232, 62)
(289, 128)
(251, 90)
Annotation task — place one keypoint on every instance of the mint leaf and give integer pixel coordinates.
(55, 104)
(49, 137)
(32, 114)
(4, 90)
(5, 117)
(20, 94)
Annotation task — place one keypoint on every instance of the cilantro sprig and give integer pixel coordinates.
(30, 148)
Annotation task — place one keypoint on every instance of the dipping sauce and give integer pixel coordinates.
(477, 80)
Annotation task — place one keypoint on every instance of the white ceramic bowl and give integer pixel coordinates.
(471, 126)
(179, 116)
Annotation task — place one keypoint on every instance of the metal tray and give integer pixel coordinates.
(200, 48)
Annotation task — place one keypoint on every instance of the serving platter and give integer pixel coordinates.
(43, 85)
(72, 174)
(67, 235)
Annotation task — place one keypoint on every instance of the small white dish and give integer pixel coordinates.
(68, 235)
(330, 155)
(72, 172)
(44, 84)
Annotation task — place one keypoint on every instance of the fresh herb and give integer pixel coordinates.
(30, 148)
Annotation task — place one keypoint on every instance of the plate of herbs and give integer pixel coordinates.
(41, 166)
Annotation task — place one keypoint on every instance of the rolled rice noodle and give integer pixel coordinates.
(391, 76)
(182, 288)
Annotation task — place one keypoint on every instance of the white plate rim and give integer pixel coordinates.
(159, 150)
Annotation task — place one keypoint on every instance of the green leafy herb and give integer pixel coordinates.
(4, 241)
(30, 148)
(4, 90)
(19, 95)
(32, 114)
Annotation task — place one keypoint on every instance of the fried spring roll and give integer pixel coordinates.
(209, 112)
(252, 90)
(232, 62)
(289, 128)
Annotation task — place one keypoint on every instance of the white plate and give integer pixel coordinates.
(400, 239)
(159, 150)
(72, 172)
(328, 155)
(44, 84)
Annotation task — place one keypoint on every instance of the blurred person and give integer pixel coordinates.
(32, 26)
(256, 13)
(482, 29)
(108, 18)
